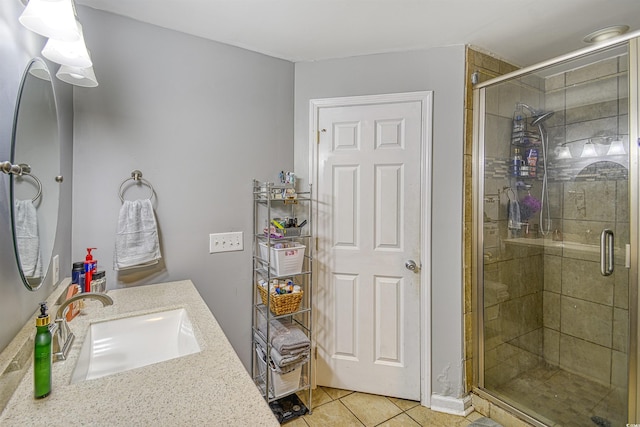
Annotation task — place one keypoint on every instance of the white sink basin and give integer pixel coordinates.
(132, 342)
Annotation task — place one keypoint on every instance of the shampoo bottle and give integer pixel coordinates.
(42, 355)
(90, 267)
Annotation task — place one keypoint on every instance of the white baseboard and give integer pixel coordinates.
(452, 405)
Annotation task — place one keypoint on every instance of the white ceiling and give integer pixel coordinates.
(523, 32)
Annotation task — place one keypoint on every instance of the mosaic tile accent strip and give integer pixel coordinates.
(497, 168)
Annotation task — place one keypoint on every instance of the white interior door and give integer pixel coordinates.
(370, 162)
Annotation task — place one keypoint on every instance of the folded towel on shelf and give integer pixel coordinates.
(263, 357)
(285, 336)
(137, 243)
(27, 238)
(284, 363)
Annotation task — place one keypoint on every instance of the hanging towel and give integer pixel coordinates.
(137, 243)
(514, 222)
(27, 238)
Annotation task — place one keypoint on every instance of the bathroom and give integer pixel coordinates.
(198, 104)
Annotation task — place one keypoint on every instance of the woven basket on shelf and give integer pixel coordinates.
(283, 303)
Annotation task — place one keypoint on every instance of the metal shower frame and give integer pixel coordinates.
(632, 40)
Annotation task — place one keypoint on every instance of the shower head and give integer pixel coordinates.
(538, 116)
(541, 117)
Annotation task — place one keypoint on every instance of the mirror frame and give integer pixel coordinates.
(34, 284)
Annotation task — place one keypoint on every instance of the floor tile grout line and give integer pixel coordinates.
(348, 409)
(384, 421)
(402, 411)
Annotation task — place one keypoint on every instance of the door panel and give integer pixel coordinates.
(368, 306)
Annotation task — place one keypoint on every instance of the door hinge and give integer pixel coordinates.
(316, 244)
(315, 353)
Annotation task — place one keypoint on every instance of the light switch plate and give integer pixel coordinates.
(225, 242)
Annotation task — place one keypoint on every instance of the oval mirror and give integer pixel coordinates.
(35, 146)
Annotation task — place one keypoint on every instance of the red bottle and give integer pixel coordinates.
(90, 267)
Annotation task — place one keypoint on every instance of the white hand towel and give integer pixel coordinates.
(27, 238)
(514, 222)
(137, 243)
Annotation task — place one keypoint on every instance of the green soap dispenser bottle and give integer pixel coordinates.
(42, 355)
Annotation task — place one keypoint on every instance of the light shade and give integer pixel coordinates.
(564, 153)
(39, 70)
(72, 53)
(589, 150)
(51, 18)
(616, 148)
(84, 77)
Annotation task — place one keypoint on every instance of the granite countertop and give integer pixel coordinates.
(209, 388)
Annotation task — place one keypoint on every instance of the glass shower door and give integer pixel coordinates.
(555, 241)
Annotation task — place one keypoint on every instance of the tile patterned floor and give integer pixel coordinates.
(564, 399)
(341, 408)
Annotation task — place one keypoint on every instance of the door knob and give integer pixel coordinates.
(411, 265)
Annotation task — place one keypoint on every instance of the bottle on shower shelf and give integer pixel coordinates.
(519, 126)
(531, 160)
(516, 163)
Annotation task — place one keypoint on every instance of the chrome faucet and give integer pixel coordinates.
(62, 335)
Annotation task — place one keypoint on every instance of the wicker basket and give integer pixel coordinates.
(281, 304)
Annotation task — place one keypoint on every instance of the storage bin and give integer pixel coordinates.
(279, 384)
(286, 260)
(281, 304)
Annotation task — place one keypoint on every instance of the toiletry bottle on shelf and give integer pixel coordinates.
(516, 163)
(42, 355)
(90, 267)
(519, 125)
(531, 156)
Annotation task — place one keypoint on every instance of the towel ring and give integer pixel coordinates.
(25, 170)
(136, 176)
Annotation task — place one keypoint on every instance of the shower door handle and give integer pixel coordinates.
(606, 252)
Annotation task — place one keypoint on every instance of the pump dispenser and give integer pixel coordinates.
(90, 267)
(42, 355)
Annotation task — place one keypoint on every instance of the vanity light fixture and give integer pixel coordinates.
(77, 76)
(616, 148)
(57, 20)
(589, 150)
(72, 53)
(51, 18)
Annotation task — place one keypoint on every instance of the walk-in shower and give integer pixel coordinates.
(556, 238)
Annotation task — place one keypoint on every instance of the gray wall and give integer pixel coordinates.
(200, 119)
(440, 70)
(17, 47)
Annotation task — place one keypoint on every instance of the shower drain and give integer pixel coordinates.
(600, 422)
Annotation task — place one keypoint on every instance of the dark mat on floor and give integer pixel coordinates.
(288, 408)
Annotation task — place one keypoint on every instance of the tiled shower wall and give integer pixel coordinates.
(586, 314)
(486, 67)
